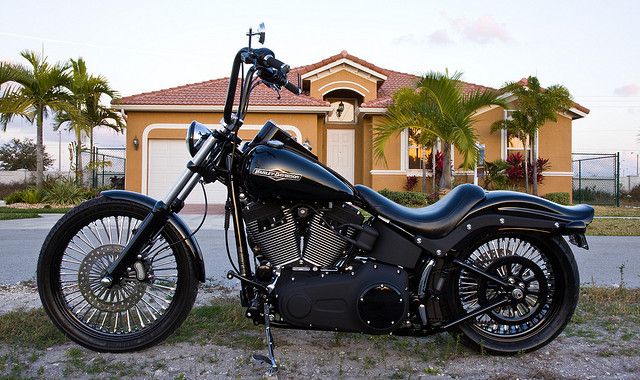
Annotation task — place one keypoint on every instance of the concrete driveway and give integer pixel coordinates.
(22, 239)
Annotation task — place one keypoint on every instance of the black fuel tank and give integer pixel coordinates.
(274, 171)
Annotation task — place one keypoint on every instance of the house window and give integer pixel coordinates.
(515, 144)
(417, 153)
(511, 143)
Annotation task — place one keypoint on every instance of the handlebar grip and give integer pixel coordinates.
(293, 88)
(276, 64)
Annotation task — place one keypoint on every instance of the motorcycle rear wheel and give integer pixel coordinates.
(132, 314)
(544, 269)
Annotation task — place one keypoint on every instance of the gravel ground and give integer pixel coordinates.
(584, 351)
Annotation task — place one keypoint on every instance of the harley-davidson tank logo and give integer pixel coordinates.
(277, 174)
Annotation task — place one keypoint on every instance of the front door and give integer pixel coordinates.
(340, 152)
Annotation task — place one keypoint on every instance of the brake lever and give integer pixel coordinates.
(273, 86)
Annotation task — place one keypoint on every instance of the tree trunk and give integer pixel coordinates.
(78, 156)
(423, 164)
(445, 180)
(39, 147)
(526, 164)
(433, 167)
(534, 165)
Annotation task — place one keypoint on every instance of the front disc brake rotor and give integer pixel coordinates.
(120, 296)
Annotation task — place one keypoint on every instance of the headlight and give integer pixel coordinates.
(196, 134)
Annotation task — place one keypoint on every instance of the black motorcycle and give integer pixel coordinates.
(120, 272)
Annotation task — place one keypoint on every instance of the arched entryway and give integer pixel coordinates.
(344, 134)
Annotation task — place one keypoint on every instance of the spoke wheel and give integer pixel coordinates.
(542, 292)
(146, 305)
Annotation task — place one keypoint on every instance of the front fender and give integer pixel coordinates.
(176, 222)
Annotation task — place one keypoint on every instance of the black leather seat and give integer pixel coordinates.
(435, 220)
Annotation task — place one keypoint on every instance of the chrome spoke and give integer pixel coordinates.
(129, 306)
(528, 268)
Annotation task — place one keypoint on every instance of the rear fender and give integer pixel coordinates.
(512, 211)
(174, 220)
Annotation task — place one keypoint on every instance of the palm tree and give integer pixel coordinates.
(439, 108)
(89, 113)
(33, 92)
(534, 107)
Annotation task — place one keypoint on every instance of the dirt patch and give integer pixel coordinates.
(600, 342)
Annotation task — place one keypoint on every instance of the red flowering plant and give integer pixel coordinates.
(515, 171)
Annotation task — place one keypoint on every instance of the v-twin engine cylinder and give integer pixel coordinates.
(300, 234)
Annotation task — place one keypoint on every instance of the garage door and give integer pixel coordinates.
(167, 160)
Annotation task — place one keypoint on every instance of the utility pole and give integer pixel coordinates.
(59, 151)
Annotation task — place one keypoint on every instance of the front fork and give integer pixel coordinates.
(155, 221)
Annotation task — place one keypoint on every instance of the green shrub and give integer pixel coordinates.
(65, 192)
(32, 196)
(15, 197)
(562, 198)
(406, 198)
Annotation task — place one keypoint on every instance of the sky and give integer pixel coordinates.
(589, 46)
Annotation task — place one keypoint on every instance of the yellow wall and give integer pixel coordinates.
(342, 76)
(138, 121)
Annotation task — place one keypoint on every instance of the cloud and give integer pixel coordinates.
(627, 90)
(406, 39)
(440, 37)
(481, 30)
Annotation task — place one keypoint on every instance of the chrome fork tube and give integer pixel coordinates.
(188, 178)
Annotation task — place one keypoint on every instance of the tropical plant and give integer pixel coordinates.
(406, 198)
(518, 168)
(22, 154)
(88, 113)
(65, 192)
(410, 182)
(33, 92)
(561, 198)
(495, 175)
(439, 109)
(534, 107)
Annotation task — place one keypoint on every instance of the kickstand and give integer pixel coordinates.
(270, 360)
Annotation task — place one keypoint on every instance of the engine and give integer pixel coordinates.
(300, 234)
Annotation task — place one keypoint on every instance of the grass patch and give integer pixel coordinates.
(48, 210)
(222, 323)
(29, 328)
(614, 227)
(600, 312)
(18, 215)
(610, 302)
(616, 211)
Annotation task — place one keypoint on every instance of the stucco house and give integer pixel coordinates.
(344, 98)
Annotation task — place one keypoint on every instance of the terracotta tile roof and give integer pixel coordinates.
(397, 80)
(213, 92)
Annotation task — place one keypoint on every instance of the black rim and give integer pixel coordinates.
(129, 308)
(533, 298)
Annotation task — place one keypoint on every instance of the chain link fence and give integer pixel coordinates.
(105, 167)
(596, 178)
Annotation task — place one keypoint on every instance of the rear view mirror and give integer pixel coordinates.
(261, 33)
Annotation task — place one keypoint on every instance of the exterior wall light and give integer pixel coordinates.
(307, 144)
(136, 143)
(340, 109)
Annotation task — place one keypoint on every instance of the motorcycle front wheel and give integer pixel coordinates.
(142, 309)
(545, 277)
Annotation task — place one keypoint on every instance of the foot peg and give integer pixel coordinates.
(268, 360)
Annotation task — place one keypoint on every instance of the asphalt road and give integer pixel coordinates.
(21, 240)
